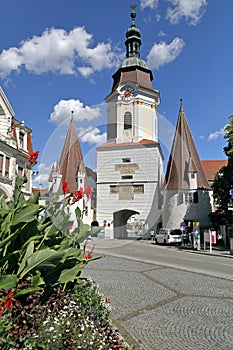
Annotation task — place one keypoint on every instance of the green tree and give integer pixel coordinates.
(223, 181)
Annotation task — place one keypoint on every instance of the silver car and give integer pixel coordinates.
(168, 236)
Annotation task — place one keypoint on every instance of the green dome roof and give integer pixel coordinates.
(132, 62)
(133, 44)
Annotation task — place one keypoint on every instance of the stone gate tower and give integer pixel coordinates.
(129, 165)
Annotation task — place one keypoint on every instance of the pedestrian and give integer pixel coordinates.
(152, 234)
(219, 239)
(185, 238)
(191, 238)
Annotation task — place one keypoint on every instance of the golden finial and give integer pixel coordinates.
(133, 7)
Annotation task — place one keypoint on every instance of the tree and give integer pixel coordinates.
(223, 181)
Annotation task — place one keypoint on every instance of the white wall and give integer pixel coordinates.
(149, 163)
(174, 213)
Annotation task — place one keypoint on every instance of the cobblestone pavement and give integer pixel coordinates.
(163, 308)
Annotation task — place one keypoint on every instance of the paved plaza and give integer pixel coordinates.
(161, 308)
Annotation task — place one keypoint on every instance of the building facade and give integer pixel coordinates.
(129, 165)
(187, 195)
(15, 148)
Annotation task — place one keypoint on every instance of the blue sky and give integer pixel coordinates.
(59, 55)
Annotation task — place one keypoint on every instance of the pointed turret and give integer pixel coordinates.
(184, 159)
(71, 161)
(52, 171)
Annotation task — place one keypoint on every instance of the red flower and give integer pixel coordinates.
(107, 300)
(65, 187)
(9, 300)
(33, 157)
(77, 195)
(88, 192)
(9, 304)
(88, 256)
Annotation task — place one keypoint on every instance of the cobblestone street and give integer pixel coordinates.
(163, 308)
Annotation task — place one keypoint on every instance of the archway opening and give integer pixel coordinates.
(120, 219)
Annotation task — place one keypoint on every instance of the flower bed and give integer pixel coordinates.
(77, 319)
(44, 301)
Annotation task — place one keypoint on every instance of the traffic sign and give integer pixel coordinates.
(231, 192)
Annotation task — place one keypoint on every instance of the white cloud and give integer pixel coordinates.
(43, 174)
(92, 135)
(191, 10)
(149, 3)
(163, 53)
(59, 51)
(216, 134)
(161, 33)
(62, 111)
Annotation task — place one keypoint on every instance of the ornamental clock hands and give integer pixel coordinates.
(128, 93)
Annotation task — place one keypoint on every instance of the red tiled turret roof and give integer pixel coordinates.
(183, 159)
(71, 160)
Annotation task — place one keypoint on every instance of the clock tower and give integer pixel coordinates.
(132, 102)
(129, 165)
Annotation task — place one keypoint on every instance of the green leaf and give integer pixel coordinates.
(8, 281)
(34, 198)
(34, 239)
(9, 238)
(29, 252)
(36, 259)
(78, 213)
(68, 275)
(37, 280)
(72, 253)
(82, 233)
(27, 291)
(26, 214)
(6, 225)
(65, 243)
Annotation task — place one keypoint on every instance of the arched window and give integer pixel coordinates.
(127, 121)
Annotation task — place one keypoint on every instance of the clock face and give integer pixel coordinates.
(128, 93)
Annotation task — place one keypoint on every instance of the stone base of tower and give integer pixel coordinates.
(128, 188)
(189, 205)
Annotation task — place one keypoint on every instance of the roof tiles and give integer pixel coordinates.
(183, 159)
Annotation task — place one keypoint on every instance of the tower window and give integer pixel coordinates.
(126, 160)
(188, 198)
(21, 140)
(127, 177)
(195, 197)
(7, 166)
(127, 121)
(1, 164)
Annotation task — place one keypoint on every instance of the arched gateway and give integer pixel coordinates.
(120, 219)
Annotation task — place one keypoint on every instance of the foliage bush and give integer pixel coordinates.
(44, 301)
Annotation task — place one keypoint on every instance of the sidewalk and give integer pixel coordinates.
(216, 251)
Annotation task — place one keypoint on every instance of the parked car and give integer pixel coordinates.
(168, 236)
